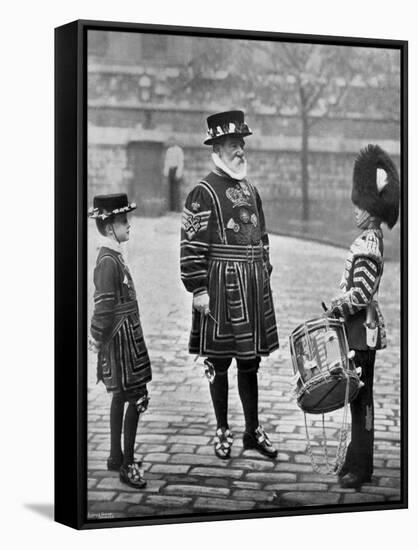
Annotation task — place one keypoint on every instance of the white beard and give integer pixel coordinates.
(228, 170)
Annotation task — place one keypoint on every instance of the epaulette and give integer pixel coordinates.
(367, 244)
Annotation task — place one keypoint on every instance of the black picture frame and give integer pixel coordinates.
(71, 322)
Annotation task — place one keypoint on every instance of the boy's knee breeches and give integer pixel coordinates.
(221, 365)
(139, 398)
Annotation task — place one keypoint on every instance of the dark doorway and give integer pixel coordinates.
(148, 188)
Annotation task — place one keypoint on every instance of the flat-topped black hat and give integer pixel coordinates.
(228, 123)
(106, 206)
(376, 186)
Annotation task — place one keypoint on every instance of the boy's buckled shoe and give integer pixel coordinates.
(224, 439)
(132, 475)
(259, 441)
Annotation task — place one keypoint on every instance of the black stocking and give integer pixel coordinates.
(248, 392)
(219, 394)
(116, 418)
(129, 434)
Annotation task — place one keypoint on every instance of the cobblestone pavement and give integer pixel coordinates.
(175, 435)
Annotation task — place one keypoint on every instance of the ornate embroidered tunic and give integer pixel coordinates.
(123, 362)
(225, 252)
(360, 284)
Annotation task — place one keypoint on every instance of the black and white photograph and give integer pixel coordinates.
(208, 275)
(244, 229)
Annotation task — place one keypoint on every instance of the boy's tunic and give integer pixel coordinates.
(360, 284)
(123, 362)
(224, 251)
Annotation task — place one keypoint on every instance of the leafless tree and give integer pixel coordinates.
(309, 81)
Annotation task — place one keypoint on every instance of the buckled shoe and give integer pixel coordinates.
(223, 441)
(132, 475)
(259, 441)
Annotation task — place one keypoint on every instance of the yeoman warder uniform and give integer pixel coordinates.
(225, 253)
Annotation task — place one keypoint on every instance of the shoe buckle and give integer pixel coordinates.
(142, 403)
(224, 437)
(135, 472)
(262, 436)
(210, 372)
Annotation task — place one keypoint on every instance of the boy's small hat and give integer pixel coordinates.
(376, 186)
(228, 123)
(106, 206)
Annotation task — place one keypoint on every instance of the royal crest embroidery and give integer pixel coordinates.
(195, 206)
(237, 197)
(245, 189)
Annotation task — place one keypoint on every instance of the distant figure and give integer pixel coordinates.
(173, 171)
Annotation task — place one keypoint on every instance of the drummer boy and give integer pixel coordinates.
(375, 195)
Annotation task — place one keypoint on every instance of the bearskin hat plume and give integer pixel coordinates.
(382, 202)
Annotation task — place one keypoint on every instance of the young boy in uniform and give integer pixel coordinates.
(123, 364)
(375, 195)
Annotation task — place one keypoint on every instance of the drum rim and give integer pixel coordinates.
(343, 374)
(320, 321)
(354, 389)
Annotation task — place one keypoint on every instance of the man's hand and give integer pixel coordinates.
(337, 303)
(201, 303)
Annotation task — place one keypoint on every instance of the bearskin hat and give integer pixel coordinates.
(376, 185)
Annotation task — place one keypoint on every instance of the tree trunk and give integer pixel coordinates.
(304, 158)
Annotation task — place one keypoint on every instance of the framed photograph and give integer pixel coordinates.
(231, 274)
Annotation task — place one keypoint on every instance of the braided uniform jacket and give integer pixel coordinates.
(123, 362)
(225, 252)
(360, 284)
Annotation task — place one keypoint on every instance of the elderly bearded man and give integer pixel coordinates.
(225, 264)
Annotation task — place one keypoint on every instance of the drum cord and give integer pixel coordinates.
(342, 444)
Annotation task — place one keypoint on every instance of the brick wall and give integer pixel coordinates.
(278, 173)
(188, 119)
(107, 165)
(277, 176)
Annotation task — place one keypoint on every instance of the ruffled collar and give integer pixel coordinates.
(224, 168)
(120, 248)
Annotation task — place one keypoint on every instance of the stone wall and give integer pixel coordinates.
(277, 175)
(188, 119)
(107, 165)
